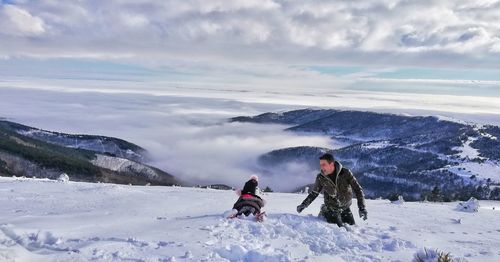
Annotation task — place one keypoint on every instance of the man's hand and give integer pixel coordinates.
(300, 208)
(363, 213)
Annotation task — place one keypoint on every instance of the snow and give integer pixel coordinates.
(34, 132)
(377, 145)
(454, 120)
(43, 220)
(111, 163)
(488, 169)
(64, 178)
(472, 205)
(468, 152)
(400, 201)
(123, 165)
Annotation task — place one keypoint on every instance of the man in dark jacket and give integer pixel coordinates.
(336, 183)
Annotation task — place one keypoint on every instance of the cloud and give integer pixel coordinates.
(383, 33)
(188, 137)
(285, 86)
(15, 21)
(187, 133)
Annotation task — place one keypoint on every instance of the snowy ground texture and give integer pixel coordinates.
(42, 220)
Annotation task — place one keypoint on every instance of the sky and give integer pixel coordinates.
(425, 47)
(168, 74)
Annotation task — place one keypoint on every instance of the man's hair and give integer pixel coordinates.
(328, 157)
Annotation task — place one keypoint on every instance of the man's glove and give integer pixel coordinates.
(363, 213)
(300, 208)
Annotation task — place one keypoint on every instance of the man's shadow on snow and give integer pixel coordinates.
(200, 217)
(293, 216)
(272, 216)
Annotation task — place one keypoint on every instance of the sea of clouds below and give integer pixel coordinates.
(187, 134)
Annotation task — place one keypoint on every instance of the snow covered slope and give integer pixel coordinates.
(31, 152)
(46, 220)
(124, 165)
(102, 144)
(391, 154)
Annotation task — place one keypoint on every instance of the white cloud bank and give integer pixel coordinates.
(188, 137)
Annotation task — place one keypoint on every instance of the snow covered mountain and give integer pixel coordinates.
(396, 154)
(46, 220)
(102, 144)
(31, 152)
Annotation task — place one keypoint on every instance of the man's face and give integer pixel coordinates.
(326, 168)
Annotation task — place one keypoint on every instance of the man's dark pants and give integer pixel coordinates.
(332, 217)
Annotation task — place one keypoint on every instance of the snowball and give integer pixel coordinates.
(472, 205)
(64, 178)
(400, 201)
(230, 213)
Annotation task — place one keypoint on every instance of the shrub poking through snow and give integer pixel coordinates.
(430, 255)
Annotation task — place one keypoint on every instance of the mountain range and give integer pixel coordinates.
(418, 157)
(32, 152)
